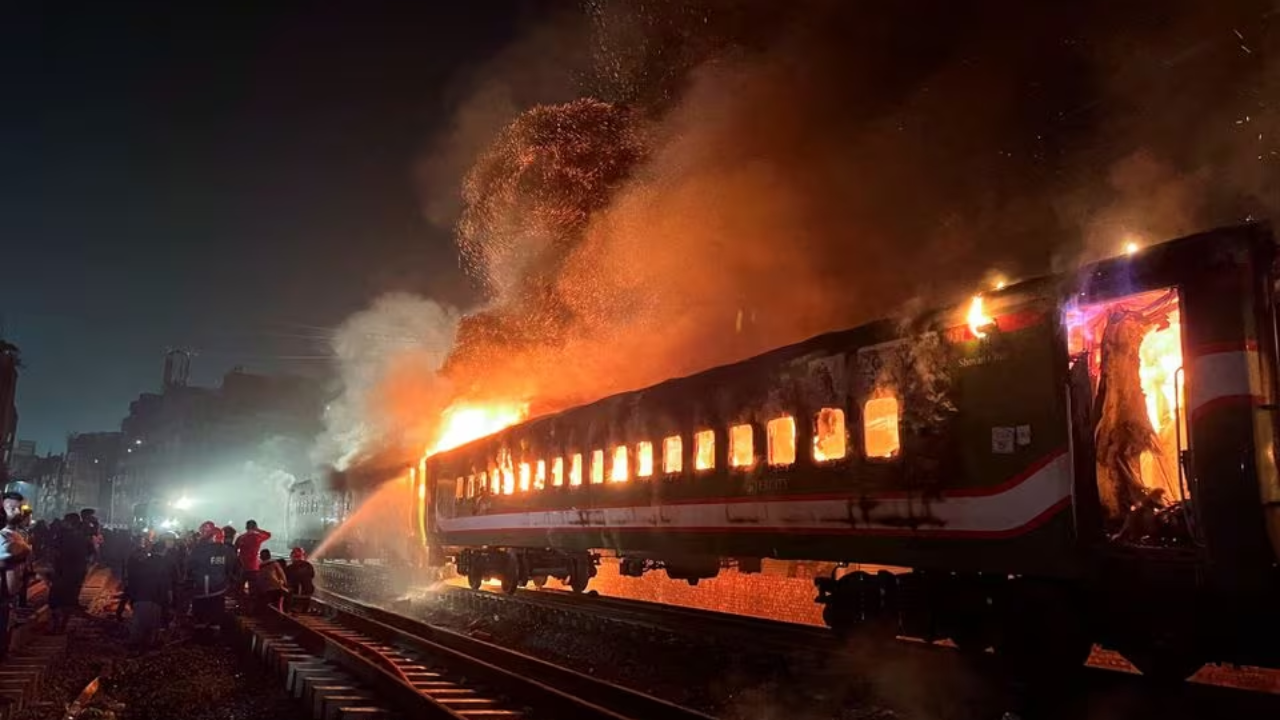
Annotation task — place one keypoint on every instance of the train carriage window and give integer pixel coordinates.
(575, 470)
(704, 450)
(741, 446)
(483, 487)
(597, 467)
(672, 455)
(880, 427)
(829, 438)
(557, 472)
(508, 480)
(618, 473)
(459, 490)
(644, 459)
(471, 486)
(526, 475)
(782, 440)
(540, 475)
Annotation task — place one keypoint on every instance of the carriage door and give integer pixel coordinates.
(1131, 351)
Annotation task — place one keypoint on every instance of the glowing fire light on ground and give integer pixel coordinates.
(978, 318)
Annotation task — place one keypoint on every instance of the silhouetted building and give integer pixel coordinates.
(52, 484)
(186, 438)
(21, 459)
(91, 463)
(8, 409)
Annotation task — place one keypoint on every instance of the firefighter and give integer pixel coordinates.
(301, 576)
(211, 563)
(234, 574)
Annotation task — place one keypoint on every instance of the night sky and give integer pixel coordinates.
(228, 177)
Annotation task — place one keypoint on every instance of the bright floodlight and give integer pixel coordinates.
(138, 441)
(1130, 248)
(182, 503)
(168, 524)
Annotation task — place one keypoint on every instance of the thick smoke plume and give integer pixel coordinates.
(735, 176)
(389, 356)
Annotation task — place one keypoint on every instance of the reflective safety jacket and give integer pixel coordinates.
(211, 566)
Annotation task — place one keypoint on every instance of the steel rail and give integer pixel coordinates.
(540, 684)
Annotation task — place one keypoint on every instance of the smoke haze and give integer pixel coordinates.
(388, 356)
(661, 186)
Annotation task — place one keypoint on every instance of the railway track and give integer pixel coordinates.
(799, 639)
(705, 624)
(411, 670)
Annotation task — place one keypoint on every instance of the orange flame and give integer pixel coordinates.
(464, 421)
(978, 318)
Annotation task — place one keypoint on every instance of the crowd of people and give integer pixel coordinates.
(168, 579)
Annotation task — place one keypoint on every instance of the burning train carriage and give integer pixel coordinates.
(1043, 478)
(810, 452)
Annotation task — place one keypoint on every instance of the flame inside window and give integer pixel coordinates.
(644, 459)
(557, 472)
(1152, 321)
(672, 455)
(880, 427)
(618, 473)
(782, 440)
(525, 474)
(458, 493)
(575, 470)
(704, 450)
(540, 475)
(829, 438)
(508, 481)
(484, 483)
(741, 447)
(597, 467)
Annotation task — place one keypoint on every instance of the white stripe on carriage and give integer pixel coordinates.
(1014, 508)
(1221, 375)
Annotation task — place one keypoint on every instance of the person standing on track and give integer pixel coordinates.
(248, 546)
(69, 569)
(14, 550)
(211, 563)
(92, 530)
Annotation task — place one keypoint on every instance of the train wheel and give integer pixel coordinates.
(1163, 662)
(1165, 667)
(538, 581)
(511, 573)
(475, 578)
(579, 574)
(1042, 633)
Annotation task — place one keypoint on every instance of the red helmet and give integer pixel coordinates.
(297, 554)
(206, 529)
